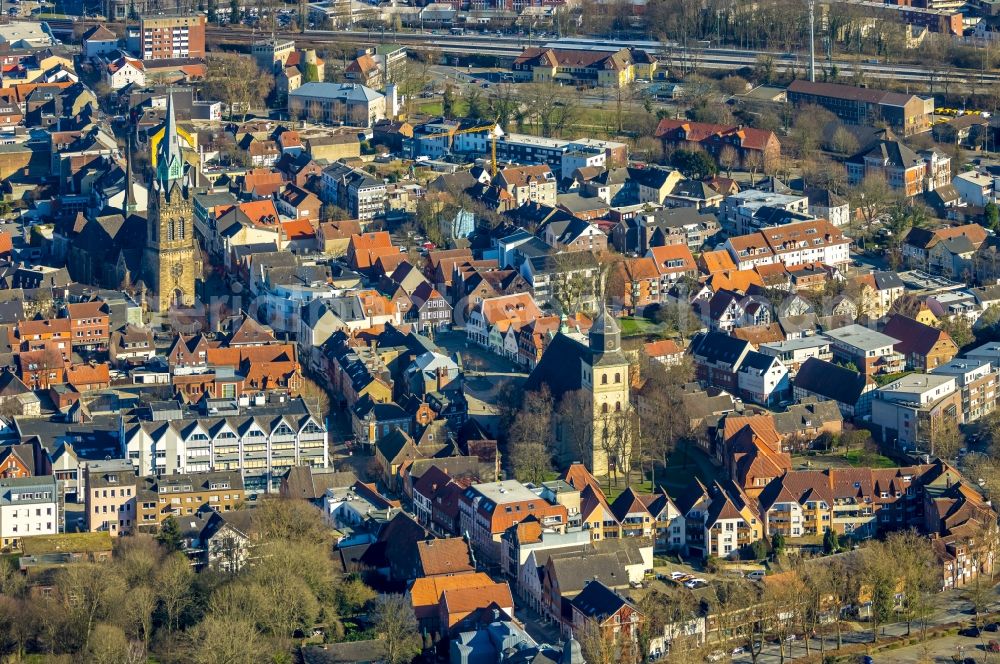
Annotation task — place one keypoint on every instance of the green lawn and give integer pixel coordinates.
(860, 458)
(619, 489)
(634, 327)
(429, 107)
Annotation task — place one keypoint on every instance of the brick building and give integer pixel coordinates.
(166, 36)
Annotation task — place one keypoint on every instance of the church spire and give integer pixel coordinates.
(169, 158)
(130, 203)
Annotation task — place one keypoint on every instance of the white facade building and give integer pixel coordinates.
(28, 506)
(261, 437)
(816, 241)
(976, 188)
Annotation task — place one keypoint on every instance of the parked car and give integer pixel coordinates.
(756, 575)
(738, 650)
(971, 631)
(716, 656)
(993, 646)
(676, 575)
(992, 627)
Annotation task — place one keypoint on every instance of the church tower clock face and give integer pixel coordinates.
(177, 270)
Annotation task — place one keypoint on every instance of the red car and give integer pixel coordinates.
(993, 646)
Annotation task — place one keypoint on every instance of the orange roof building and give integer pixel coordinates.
(460, 603)
(710, 262)
(364, 249)
(425, 593)
(673, 261)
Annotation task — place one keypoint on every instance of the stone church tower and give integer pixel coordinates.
(169, 260)
(605, 378)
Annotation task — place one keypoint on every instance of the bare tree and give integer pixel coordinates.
(873, 197)
(622, 442)
(915, 564)
(316, 397)
(843, 141)
(735, 601)
(530, 461)
(575, 281)
(728, 158)
(945, 437)
(530, 435)
(879, 579)
(236, 81)
(92, 594)
(784, 601)
(817, 597)
(288, 520)
(597, 645)
(110, 646)
(396, 626)
(576, 426)
(663, 417)
(753, 162)
(173, 588)
(226, 640)
(140, 604)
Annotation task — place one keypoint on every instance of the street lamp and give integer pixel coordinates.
(812, 41)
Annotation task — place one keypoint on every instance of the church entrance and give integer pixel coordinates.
(177, 298)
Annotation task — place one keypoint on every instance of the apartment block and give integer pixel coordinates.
(259, 437)
(110, 496)
(794, 352)
(852, 501)
(89, 325)
(816, 241)
(906, 114)
(487, 510)
(184, 495)
(28, 506)
(869, 350)
(907, 410)
(977, 382)
(740, 213)
(166, 36)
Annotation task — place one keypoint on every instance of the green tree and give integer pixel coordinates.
(992, 211)
(693, 163)
(778, 544)
(311, 75)
(448, 102)
(474, 107)
(958, 329)
(830, 544)
(170, 535)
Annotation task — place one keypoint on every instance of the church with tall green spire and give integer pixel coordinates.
(170, 259)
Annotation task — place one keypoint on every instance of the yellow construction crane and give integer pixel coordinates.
(491, 128)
